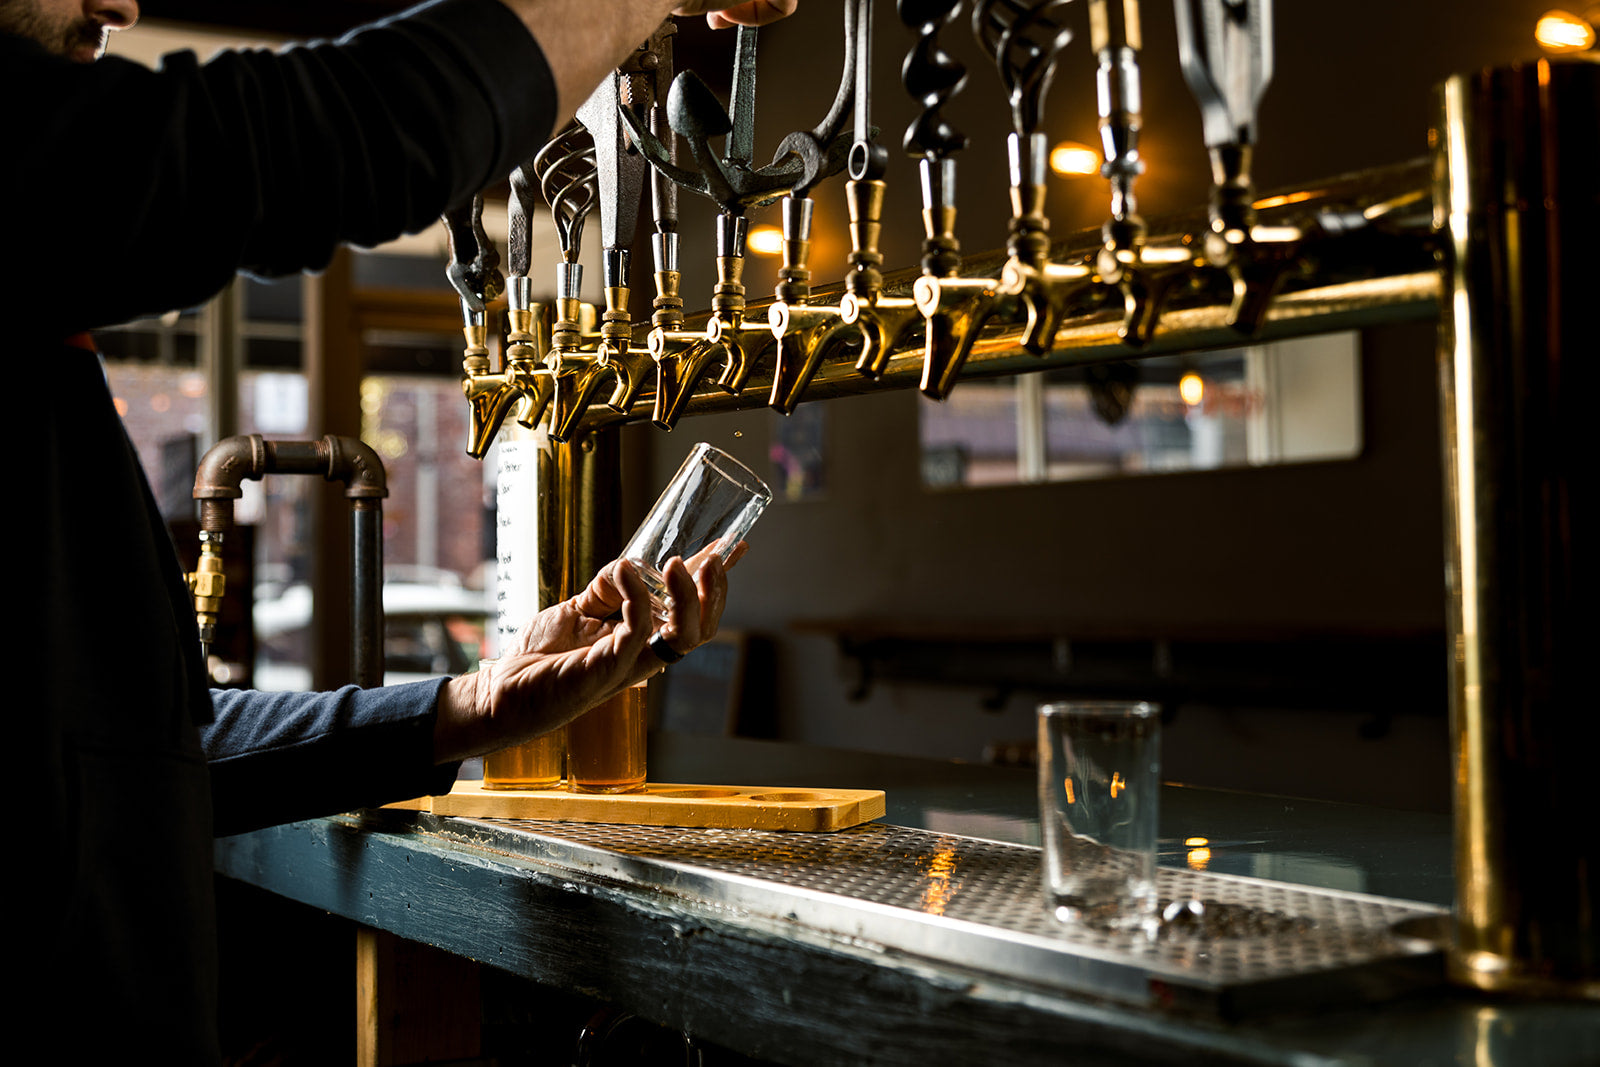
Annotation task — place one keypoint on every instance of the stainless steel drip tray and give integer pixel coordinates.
(978, 906)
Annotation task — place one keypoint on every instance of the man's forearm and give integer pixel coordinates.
(583, 40)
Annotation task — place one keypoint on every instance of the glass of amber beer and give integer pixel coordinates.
(605, 745)
(536, 764)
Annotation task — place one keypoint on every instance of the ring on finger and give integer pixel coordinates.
(663, 651)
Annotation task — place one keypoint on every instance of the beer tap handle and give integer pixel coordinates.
(568, 178)
(933, 76)
(1025, 40)
(867, 163)
(619, 186)
(519, 260)
(1116, 38)
(474, 273)
(1225, 51)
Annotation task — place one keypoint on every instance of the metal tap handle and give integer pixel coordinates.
(619, 174)
(868, 160)
(519, 223)
(474, 270)
(1115, 36)
(1024, 38)
(933, 76)
(729, 179)
(1225, 50)
(568, 177)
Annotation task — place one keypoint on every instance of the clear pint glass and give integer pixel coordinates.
(1099, 783)
(713, 499)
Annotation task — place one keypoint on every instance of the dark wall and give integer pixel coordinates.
(1336, 547)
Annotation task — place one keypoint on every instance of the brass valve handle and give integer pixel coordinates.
(208, 584)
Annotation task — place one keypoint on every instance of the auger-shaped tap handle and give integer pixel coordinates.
(1225, 51)
(953, 308)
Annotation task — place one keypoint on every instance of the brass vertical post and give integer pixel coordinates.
(1517, 201)
(577, 486)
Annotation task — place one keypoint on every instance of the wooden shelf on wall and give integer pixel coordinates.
(1372, 672)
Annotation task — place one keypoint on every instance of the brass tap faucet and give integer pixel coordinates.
(881, 320)
(741, 342)
(681, 357)
(574, 361)
(801, 330)
(520, 387)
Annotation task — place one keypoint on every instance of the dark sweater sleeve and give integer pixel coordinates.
(278, 757)
(140, 191)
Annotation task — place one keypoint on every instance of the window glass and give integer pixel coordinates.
(1286, 402)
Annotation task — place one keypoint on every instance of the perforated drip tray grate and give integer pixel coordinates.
(978, 905)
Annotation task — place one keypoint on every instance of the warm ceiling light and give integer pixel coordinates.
(1071, 159)
(1192, 388)
(765, 240)
(1561, 31)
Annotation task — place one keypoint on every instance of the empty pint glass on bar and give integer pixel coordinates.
(1099, 778)
(713, 500)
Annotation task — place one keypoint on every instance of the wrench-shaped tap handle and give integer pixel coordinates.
(474, 269)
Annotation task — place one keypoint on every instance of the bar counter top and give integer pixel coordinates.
(923, 937)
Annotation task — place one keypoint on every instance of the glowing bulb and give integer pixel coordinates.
(1192, 388)
(765, 240)
(1559, 31)
(1071, 159)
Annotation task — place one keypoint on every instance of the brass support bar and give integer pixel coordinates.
(1365, 241)
(1518, 164)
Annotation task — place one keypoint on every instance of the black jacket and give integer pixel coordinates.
(130, 192)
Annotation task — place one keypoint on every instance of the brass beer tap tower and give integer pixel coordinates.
(1488, 237)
